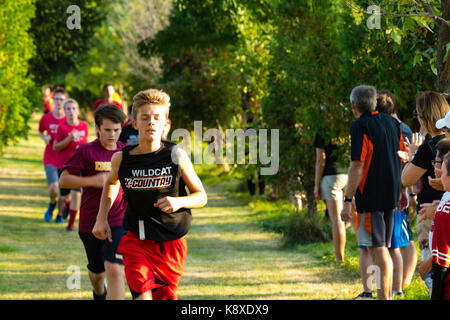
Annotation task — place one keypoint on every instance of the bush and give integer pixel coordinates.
(297, 227)
(300, 228)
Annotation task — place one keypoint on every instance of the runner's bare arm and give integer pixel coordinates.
(101, 229)
(71, 181)
(61, 145)
(197, 197)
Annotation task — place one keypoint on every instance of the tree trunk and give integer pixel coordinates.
(443, 67)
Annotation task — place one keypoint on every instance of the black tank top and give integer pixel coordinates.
(145, 178)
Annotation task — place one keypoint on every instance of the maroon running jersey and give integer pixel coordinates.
(90, 159)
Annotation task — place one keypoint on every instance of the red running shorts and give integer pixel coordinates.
(151, 265)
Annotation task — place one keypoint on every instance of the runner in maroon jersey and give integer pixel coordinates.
(153, 175)
(69, 136)
(88, 168)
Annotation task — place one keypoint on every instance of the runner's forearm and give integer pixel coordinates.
(194, 200)
(109, 195)
(70, 181)
(60, 145)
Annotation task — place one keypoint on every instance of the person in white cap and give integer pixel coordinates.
(444, 124)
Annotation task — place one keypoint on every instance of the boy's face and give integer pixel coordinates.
(109, 132)
(150, 121)
(445, 178)
(58, 102)
(72, 112)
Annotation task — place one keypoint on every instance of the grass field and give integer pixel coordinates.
(230, 256)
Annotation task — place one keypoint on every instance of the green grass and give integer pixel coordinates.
(272, 216)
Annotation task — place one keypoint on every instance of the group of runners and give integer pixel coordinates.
(134, 208)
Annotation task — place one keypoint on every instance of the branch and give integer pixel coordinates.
(425, 4)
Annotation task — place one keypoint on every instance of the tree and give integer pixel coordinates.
(57, 45)
(403, 17)
(320, 52)
(114, 52)
(18, 94)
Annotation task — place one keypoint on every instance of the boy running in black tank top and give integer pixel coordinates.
(153, 176)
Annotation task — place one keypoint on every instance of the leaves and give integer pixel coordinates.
(18, 93)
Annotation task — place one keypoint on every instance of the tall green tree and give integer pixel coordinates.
(59, 42)
(113, 53)
(18, 93)
(320, 52)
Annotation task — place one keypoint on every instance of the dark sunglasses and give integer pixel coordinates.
(434, 162)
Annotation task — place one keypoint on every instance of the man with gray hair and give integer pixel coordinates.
(374, 179)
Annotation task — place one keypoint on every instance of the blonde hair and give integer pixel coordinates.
(70, 100)
(431, 106)
(152, 97)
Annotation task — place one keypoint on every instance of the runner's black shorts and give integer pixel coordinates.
(99, 251)
(62, 191)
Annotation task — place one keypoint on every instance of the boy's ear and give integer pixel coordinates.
(97, 130)
(134, 123)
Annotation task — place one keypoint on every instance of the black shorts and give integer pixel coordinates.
(64, 192)
(99, 251)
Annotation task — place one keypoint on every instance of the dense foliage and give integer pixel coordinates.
(275, 64)
(18, 93)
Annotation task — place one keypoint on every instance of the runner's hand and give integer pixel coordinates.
(168, 204)
(102, 230)
(47, 139)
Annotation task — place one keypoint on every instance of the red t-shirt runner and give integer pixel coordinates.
(90, 159)
(440, 229)
(63, 131)
(50, 124)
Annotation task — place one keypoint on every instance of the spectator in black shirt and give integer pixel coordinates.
(374, 179)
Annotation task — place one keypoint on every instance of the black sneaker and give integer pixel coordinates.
(65, 212)
(398, 294)
(364, 295)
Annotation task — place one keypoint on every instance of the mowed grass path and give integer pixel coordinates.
(229, 256)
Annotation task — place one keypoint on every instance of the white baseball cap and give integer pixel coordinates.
(444, 122)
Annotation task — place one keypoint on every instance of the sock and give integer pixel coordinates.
(72, 217)
(99, 297)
